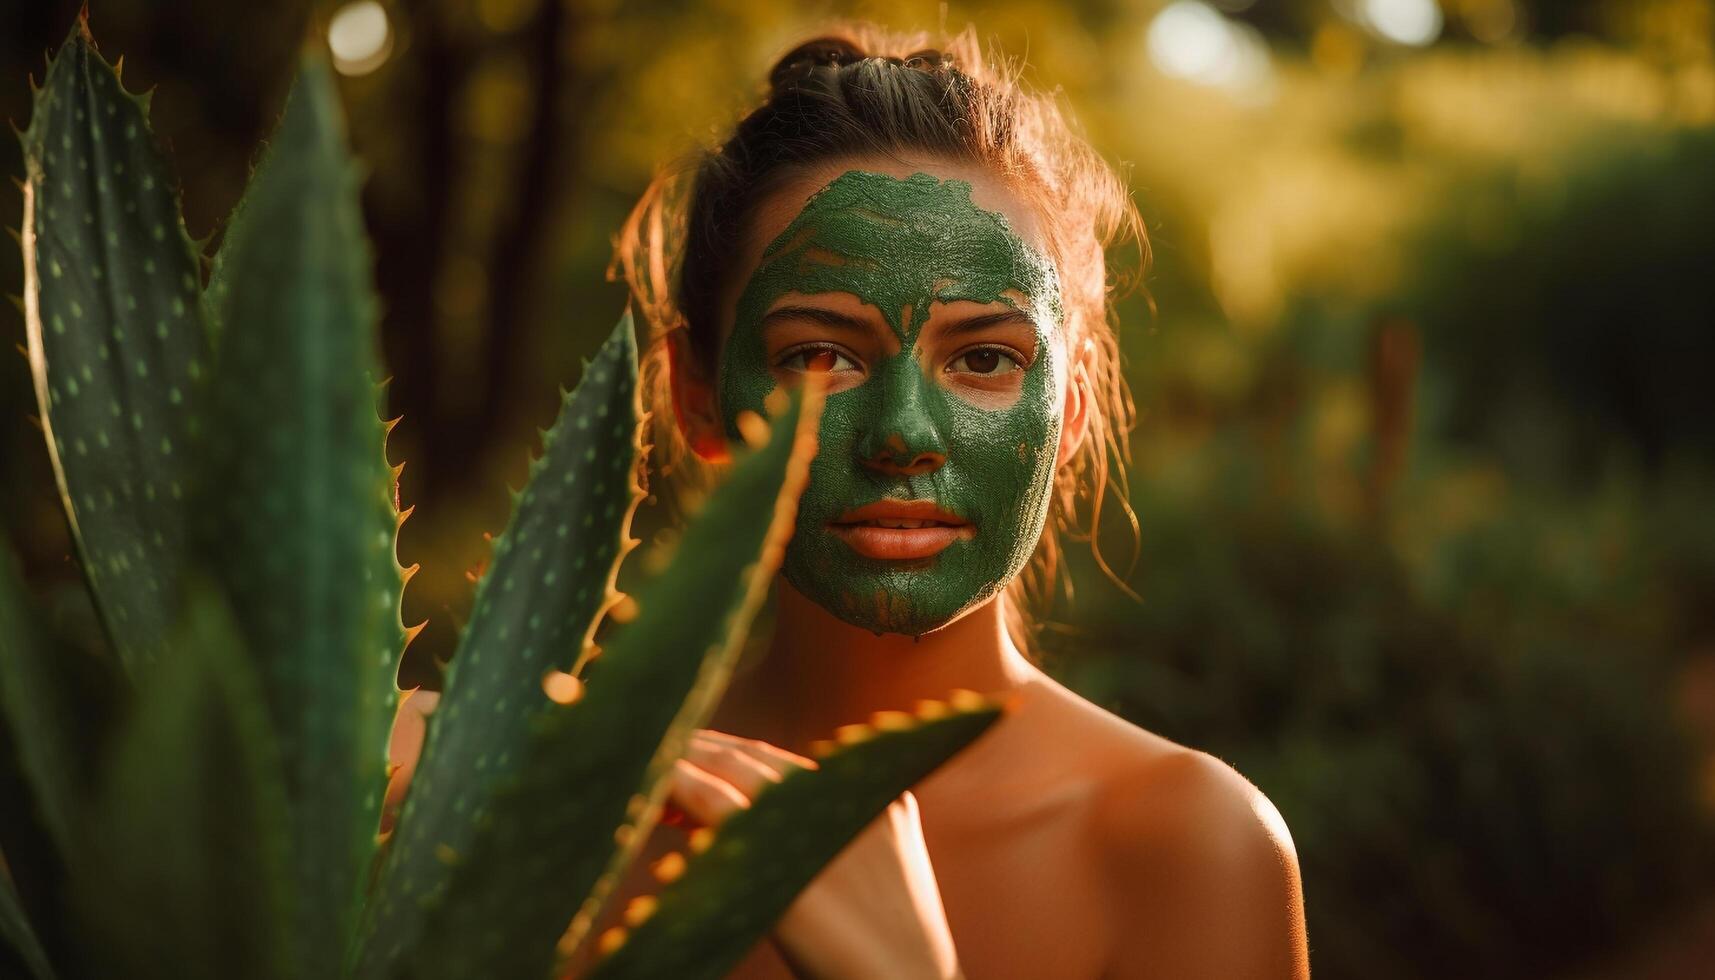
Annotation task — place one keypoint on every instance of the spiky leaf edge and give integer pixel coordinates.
(81, 37)
(713, 679)
(619, 392)
(311, 126)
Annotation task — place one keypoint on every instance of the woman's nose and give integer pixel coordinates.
(902, 439)
(897, 458)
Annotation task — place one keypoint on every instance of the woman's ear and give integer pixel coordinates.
(694, 402)
(1075, 421)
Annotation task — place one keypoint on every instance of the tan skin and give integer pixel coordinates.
(1065, 843)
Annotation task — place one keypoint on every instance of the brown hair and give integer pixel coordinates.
(860, 90)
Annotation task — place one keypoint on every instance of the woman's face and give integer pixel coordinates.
(923, 294)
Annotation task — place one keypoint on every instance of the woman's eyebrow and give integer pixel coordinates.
(982, 320)
(817, 314)
(858, 324)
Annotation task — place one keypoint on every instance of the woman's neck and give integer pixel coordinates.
(822, 672)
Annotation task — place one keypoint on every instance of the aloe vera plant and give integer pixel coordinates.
(201, 800)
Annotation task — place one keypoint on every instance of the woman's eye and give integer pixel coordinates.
(988, 361)
(817, 359)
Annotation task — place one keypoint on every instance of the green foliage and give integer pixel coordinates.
(1559, 310)
(21, 953)
(233, 505)
(35, 778)
(295, 501)
(58, 709)
(45, 688)
(589, 774)
(117, 343)
(1452, 792)
(190, 820)
(1460, 695)
(550, 579)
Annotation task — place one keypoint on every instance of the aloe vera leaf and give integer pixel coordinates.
(550, 578)
(295, 503)
(30, 852)
(29, 855)
(599, 764)
(181, 872)
(39, 707)
(116, 339)
(214, 295)
(20, 953)
(57, 705)
(729, 896)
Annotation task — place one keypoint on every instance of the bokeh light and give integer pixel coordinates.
(1195, 42)
(1410, 22)
(360, 38)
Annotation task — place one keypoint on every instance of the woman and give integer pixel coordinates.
(930, 237)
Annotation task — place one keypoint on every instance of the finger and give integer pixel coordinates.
(703, 795)
(394, 797)
(907, 803)
(901, 821)
(750, 774)
(766, 750)
(409, 726)
(421, 701)
(904, 815)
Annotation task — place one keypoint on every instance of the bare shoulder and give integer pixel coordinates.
(1200, 865)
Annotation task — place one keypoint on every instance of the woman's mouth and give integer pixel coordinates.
(900, 529)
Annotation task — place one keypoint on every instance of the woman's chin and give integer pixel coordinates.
(905, 597)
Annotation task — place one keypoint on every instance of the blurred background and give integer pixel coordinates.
(1426, 455)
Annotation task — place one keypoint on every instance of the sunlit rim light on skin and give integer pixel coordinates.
(1193, 41)
(1410, 22)
(360, 38)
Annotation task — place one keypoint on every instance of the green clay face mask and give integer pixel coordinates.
(901, 246)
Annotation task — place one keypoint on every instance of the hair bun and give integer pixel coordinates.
(822, 52)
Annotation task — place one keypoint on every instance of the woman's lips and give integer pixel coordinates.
(873, 541)
(900, 529)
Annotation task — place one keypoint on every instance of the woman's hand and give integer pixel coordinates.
(873, 912)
